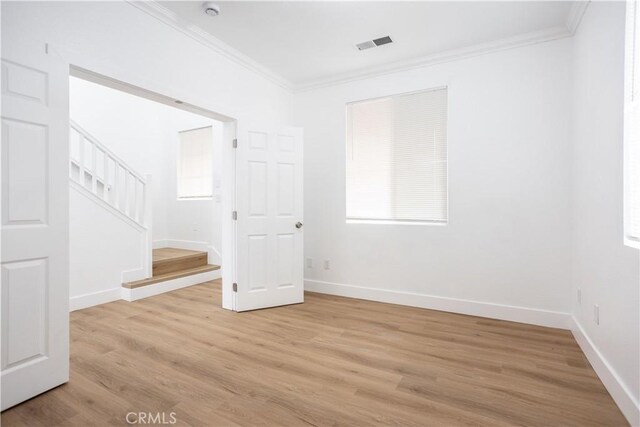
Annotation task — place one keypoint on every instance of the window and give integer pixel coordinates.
(397, 158)
(632, 127)
(195, 161)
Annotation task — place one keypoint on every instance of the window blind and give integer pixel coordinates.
(632, 125)
(397, 158)
(195, 163)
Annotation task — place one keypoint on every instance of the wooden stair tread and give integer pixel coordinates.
(173, 260)
(164, 255)
(170, 276)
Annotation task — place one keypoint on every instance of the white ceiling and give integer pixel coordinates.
(306, 42)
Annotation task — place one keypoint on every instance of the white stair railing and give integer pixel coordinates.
(99, 171)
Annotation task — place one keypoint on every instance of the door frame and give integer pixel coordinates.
(228, 175)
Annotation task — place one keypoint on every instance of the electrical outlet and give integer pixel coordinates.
(309, 262)
(596, 314)
(579, 296)
(327, 265)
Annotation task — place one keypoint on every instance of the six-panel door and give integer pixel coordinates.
(269, 205)
(35, 261)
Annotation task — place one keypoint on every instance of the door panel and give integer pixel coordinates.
(24, 285)
(34, 263)
(24, 178)
(269, 204)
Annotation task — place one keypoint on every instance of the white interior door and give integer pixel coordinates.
(35, 246)
(269, 218)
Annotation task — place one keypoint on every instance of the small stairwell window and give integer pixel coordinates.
(195, 164)
(632, 127)
(397, 159)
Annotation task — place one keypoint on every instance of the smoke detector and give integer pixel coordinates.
(374, 43)
(211, 8)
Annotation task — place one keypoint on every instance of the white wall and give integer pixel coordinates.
(508, 237)
(119, 40)
(195, 224)
(101, 247)
(144, 134)
(606, 271)
(132, 128)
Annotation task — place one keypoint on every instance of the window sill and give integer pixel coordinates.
(632, 243)
(187, 199)
(396, 222)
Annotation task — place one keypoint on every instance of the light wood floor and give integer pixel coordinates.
(329, 361)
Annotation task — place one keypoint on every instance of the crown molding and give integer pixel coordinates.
(442, 57)
(157, 11)
(161, 13)
(578, 8)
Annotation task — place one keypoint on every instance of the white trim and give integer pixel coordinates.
(194, 199)
(75, 126)
(95, 298)
(102, 297)
(441, 57)
(533, 316)
(161, 13)
(161, 243)
(396, 222)
(147, 251)
(133, 275)
(168, 285)
(191, 245)
(620, 393)
(91, 196)
(630, 104)
(156, 10)
(578, 8)
(631, 242)
(214, 256)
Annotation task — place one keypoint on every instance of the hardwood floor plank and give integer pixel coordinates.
(330, 361)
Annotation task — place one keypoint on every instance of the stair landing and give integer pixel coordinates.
(173, 263)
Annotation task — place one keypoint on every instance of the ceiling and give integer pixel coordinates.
(307, 42)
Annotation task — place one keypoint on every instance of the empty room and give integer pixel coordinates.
(290, 213)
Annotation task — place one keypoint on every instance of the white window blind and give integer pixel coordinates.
(632, 126)
(195, 163)
(397, 158)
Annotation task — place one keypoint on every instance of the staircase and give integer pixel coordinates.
(110, 221)
(172, 263)
(102, 179)
(98, 171)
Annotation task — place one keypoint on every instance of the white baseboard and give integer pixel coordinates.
(192, 245)
(169, 285)
(157, 244)
(89, 300)
(553, 319)
(611, 380)
(214, 256)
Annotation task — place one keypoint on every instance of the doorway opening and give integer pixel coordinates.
(151, 193)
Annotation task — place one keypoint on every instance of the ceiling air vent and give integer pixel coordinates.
(374, 43)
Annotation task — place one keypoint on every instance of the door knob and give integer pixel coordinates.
(298, 224)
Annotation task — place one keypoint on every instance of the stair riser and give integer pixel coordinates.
(169, 285)
(179, 264)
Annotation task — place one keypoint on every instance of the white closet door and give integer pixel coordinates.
(269, 218)
(35, 218)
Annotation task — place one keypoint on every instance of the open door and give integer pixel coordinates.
(269, 218)
(35, 218)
